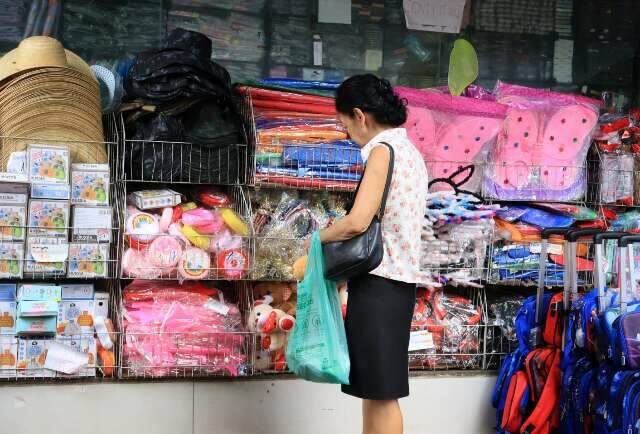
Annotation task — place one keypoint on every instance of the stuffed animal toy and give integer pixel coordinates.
(273, 326)
(279, 292)
(299, 268)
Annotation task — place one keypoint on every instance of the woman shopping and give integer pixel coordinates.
(381, 302)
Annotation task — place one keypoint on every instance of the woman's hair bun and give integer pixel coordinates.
(372, 95)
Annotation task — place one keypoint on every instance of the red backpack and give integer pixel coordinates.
(554, 322)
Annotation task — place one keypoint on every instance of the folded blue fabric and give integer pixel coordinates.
(301, 84)
(327, 154)
(543, 219)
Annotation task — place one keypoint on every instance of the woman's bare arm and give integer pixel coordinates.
(367, 201)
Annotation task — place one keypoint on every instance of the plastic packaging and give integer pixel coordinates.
(452, 132)
(187, 329)
(541, 150)
(317, 350)
(617, 178)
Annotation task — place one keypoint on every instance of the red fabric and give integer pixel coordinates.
(299, 107)
(552, 334)
(512, 418)
(277, 95)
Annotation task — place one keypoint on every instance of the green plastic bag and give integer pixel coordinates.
(317, 349)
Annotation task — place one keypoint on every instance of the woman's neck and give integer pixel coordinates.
(374, 131)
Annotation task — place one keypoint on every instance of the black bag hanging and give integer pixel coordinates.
(344, 260)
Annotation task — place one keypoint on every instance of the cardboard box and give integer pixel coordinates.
(48, 164)
(101, 305)
(8, 356)
(46, 256)
(153, 199)
(88, 260)
(75, 317)
(13, 221)
(78, 291)
(8, 309)
(90, 184)
(14, 194)
(51, 191)
(36, 326)
(48, 218)
(39, 291)
(84, 344)
(38, 308)
(11, 260)
(32, 354)
(92, 224)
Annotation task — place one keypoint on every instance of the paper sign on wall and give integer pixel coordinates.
(334, 11)
(434, 15)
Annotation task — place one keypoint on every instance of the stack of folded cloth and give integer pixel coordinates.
(191, 101)
(299, 140)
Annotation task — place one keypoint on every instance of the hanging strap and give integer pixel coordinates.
(383, 203)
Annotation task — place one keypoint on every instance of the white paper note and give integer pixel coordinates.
(63, 358)
(443, 16)
(421, 340)
(334, 11)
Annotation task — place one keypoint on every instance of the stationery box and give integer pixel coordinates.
(152, 199)
(38, 308)
(16, 168)
(38, 291)
(48, 164)
(11, 260)
(91, 224)
(51, 191)
(13, 221)
(14, 194)
(8, 356)
(36, 326)
(32, 355)
(78, 291)
(86, 345)
(101, 305)
(8, 308)
(48, 218)
(90, 184)
(88, 260)
(46, 256)
(75, 317)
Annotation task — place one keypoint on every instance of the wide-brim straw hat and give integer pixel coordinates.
(49, 95)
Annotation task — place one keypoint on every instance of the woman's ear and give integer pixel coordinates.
(359, 116)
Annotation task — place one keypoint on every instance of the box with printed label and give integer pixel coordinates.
(48, 164)
(78, 291)
(13, 221)
(11, 260)
(8, 309)
(91, 224)
(48, 218)
(14, 194)
(152, 199)
(101, 307)
(83, 344)
(39, 291)
(75, 317)
(88, 260)
(34, 308)
(90, 184)
(36, 326)
(46, 256)
(50, 191)
(32, 355)
(8, 356)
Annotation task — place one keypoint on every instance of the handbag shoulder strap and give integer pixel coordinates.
(387, 186)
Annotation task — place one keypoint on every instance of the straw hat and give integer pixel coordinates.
(48, 95)
(40, 51)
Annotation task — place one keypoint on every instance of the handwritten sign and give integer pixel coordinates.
(443, 16)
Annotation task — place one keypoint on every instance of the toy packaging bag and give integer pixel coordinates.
(541, 149)
(452, 132)
(317, 350)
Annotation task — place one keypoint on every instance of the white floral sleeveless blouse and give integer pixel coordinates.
(405, 210)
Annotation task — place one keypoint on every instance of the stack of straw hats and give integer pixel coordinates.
(48, 95)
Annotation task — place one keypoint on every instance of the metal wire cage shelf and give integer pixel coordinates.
(24, 358)
(217, 345)
(181, 162)
(449, 330)
(225, 255)
(299, 164)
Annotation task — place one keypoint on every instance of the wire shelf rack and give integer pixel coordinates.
(179, 162)
(192, 256)
(149, 351)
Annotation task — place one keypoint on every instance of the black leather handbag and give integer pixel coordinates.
(344, 260)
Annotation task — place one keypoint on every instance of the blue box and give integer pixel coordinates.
(50, 191)
(38, 308)
(36, 326)
(39, 292)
